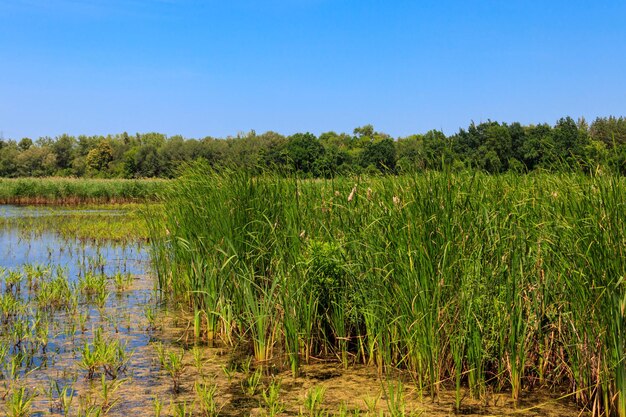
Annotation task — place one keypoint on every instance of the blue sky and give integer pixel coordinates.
(217, 68)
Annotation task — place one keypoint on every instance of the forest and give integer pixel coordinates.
(493, 147)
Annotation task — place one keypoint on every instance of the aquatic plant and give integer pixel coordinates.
(122, 281)
(109, 355)
(252, 382)
(174, 365)
(229, 371)
(65, 395)
(92, 284)
(77, 191)
(395, 399)
(180, 409)
(205, 393)
(271, 399)
(198, 359)
(314, 400)
(19, 402)
(158, 406)
(476, 281)
(107, 391)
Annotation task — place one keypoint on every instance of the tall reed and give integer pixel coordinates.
(58, 190)
(463, 280)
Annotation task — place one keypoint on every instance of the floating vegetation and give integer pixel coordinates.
(123, 223)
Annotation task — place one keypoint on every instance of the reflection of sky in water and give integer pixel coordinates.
(19, 248)
(49, 250)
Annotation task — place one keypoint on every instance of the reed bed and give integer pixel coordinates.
(465, 281)
(77, 191)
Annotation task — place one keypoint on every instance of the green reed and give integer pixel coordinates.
(465, 280)
(77, 191)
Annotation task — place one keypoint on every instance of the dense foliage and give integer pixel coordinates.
(476, 282)
(490, 146)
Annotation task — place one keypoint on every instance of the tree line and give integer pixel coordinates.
(490, 146)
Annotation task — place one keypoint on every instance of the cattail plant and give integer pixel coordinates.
(463, 280)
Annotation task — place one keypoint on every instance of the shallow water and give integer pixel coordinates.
(47, 255)
(47, 248)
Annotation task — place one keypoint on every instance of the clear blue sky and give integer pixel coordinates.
(220, 67)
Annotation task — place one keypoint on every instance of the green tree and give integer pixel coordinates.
(410, 153)
(381, 154)
(438, 150)
(617, 159)
(25, 143)
(148, 162)
(36, 161)
(63, 147)
(609, 130)
(334, 161)
(366, 131)
(273, 153)
(211, 150)
(99, 158)
(303, 150)
(86, 143)
(569, 142)
(537, 150)
(495, 148)
(8, 159)
(129, 165)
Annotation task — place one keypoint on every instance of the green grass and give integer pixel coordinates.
(77, 191)
(461, 280)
